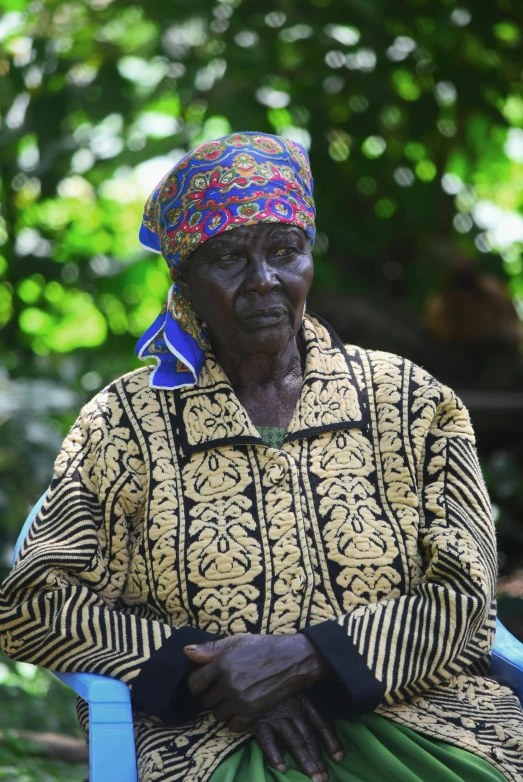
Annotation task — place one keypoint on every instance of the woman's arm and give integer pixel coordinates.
(394, 649)
(60, 606)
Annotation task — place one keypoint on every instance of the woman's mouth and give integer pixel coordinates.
(266, 317)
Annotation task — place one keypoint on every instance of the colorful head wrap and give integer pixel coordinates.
(240, 179)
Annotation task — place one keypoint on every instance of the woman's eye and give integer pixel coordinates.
(228, 259)
(284, 252)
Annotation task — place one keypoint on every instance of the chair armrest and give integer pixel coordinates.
(507, 659)
(96, 689)
(112, 754)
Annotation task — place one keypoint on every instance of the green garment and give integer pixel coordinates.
(376, 749)
(272, 436)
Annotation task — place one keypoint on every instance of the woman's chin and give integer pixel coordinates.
(268, 338)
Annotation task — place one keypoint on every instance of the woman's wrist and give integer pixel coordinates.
(313, 666)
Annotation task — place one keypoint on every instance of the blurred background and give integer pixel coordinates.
(412, 113)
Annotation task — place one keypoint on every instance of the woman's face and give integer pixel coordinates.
(249, 286)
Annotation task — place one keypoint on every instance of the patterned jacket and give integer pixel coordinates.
(370, 530)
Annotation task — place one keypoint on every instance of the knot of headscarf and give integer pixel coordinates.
(240, 179)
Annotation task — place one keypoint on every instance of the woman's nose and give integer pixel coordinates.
(261, 277)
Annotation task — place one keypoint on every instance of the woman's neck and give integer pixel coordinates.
(267, 385)
(261, 369)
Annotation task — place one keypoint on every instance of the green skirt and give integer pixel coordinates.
(375, 749)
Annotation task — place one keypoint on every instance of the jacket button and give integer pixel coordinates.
(297, 585)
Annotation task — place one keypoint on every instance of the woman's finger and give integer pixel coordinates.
(200, 680)
(302, 743)
(268, 743)
(211, 697)
(239, 723)
(325, 729)
(225, 711)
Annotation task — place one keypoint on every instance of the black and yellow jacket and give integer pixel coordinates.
(370, 530)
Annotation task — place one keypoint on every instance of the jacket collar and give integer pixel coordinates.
(330, 399)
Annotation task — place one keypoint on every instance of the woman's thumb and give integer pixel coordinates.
(204, 653)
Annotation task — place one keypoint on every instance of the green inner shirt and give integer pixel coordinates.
(272, 436)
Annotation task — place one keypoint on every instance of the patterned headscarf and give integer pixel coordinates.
(240, 179)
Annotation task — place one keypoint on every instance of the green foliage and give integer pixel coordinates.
(391, 99)
(34, 699)
(16, 765)
(27, 688)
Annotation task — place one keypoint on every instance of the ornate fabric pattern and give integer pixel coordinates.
(167, 512)
(240, 179)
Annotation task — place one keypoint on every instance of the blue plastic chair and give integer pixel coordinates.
(112, 756)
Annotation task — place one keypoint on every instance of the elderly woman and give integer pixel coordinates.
(282, 544)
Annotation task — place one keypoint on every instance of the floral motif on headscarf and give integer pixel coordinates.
(241, 179)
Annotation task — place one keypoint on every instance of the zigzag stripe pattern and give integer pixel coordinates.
(61, 617)
(422, 639)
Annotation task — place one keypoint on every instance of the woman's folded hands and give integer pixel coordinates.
(242, 677)
(258, 682)
(301, 728)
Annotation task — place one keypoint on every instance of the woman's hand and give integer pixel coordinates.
(243, 676)
(300, 728)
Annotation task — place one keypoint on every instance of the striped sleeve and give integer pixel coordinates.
(61, 606)
(392, 650)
